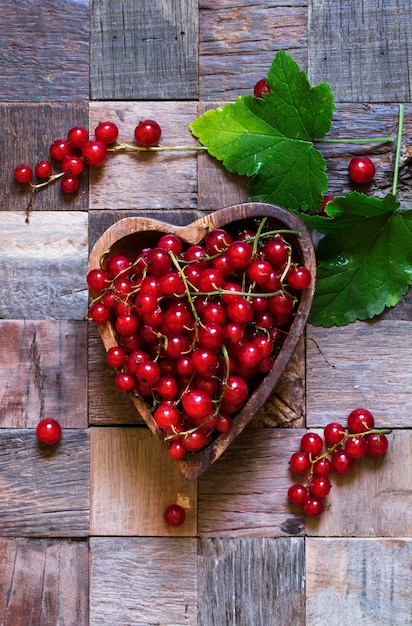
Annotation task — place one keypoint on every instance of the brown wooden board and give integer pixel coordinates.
(38, 382)
(144, 51)
(44, 581)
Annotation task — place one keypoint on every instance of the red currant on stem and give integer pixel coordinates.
(147, 133)
(260, 88)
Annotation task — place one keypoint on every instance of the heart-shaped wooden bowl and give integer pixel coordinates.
(130, 235)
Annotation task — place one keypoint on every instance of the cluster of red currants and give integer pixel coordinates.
(77, 149)
(198, 326)
(343, 447)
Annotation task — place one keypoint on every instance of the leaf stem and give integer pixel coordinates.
(369, 140)
(398, 149)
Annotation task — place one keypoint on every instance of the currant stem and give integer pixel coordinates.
(369, 140)
(398, 149)
(127, 146)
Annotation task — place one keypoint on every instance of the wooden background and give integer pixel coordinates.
(82, 539)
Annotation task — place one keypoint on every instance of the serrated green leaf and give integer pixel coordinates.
(270, 139)
(364, 260)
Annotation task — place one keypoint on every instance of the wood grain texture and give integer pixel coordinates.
(245, 493)
(375, 499)
(44, 582)
(28, 131)
(42, 59)
(246, 581)
(38, 382)
(286, 405)
(358, 581)
(361, 49)
(367, 364)
(43, 265)
(44, 490)
(237, 43)
(133, 480)
(144, 51)
(141, 180)
(139, 582)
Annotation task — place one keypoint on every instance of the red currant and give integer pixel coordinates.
(77, 136)
(333, 433)
(299, 278)
(361, 170)
(341, 462)
(69, 183)
(23, 174)
(49, 431)
(43, 169)
(60, 149)
(360, 420)
(147, 133)
(313, 507)
(299, 463)
(106, 132)
(260, 88)
(94, 152)
(174, 515)
(298, 494)
(377, 444)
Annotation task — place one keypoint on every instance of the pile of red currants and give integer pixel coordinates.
(198, 326)
(337, 451)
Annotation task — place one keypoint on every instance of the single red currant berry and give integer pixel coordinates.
(166, 416)
(360, 421)
(106, 132)
(177, 451)
(98, 279)
(147, 133)
(49, 431)
(69, 183)
(60, 149)
(313, 507)
(195, 441)
(118, 263)
(311, 443)
(341, 462)
(361, 170)
(125, 382)
(43, 169)
(377, 444)
(99, 313)
(94, 153)
(197, 403)
(72, 165)
(217, 240)
(239, 255)
(356, 447)
(322, 467)
(174, 515)
(170, 242)
(298, 494)
(23, 173)
(319, 486)
(333, 433)
(299, 278)
(77, 136)
(260, 88)
(299, 463)
(127, 324)
(116, 356)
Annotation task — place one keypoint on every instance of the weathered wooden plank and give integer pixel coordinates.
(107, 405)
(28, 131)
(38, 381)
(99, 221)
(375, 499)
(133, 480)
(43, 265)
(244, 494)
(367, 365)
(237, 42)
(286, 405)
(361, 49)
(43, 59)
(44, 490)
(44, 582)
(144, 51)
(257, 581)
(141, 582)
(358, 581)
(141, 180)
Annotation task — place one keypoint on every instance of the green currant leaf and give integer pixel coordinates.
(364, 259)
(270, 139)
